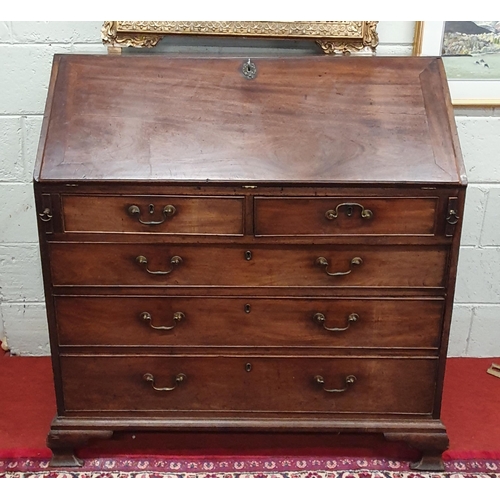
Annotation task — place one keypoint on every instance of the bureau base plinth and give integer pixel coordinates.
(63, 443)
(430, 444)
(427, 436)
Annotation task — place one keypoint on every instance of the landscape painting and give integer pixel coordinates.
(471, 50)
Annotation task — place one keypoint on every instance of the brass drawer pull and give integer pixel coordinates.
(333, 214)
(143, 261)
(349, 380)
(321, 318)
(148, 377)
(355, 261)
(168, 211)
(178, 317)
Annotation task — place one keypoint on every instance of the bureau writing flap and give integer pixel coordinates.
(273, 120)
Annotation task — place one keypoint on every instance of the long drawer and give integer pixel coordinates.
(244, 321)
(248, 384)
(103, 264)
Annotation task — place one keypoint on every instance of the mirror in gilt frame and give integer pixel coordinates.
(333, 37)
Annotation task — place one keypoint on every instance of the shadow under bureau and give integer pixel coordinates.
(232, 250)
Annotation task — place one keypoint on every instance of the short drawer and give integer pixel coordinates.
(153, 214)
(330, 216)
(248, 322)
(238, 384)
(100, 264)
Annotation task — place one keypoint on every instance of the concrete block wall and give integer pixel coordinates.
(26, 50)
(476, 315)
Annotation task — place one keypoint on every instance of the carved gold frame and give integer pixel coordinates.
(334, 37)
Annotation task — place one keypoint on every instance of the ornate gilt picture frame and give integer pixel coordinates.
(333, 37)
(473, 91)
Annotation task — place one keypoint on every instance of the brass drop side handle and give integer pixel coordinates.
(349, 381)
(355, 261)
(452, 217)
(178, 317)
(143, 261)
(320, 318)
(148, 377)
(46, 215)
(333, 214)
(168, 211)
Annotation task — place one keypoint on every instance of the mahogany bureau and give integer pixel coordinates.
(233, 244)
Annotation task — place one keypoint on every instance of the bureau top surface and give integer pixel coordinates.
(311, 119)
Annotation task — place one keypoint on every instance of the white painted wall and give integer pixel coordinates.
(26, 50)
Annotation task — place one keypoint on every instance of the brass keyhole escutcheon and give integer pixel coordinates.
(151, 209)
(247, 308)
(248, 367)
(249, 70)
(248, 255)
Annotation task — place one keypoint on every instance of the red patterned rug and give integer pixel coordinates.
(255, 467)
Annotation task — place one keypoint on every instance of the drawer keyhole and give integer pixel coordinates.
(248, 308)
(248, 255)
(151, 209)
(248, 367)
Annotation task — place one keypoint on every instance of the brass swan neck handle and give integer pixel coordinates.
(167, 212)
(178, 317)
(148, 377)
(320, 318)
(355, 261)
(349, 381)
(349, 210)
(174, 261)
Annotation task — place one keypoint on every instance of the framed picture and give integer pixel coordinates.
(332, 37)
(471, 56)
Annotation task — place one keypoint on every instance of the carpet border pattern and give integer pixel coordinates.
(258, 467)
